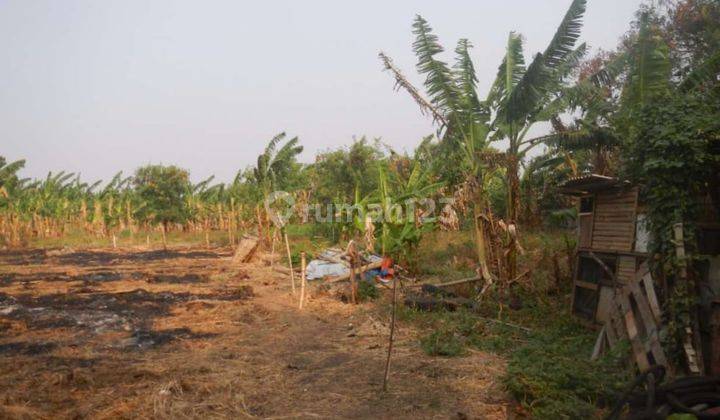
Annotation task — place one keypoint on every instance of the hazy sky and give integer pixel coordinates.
(101, 86)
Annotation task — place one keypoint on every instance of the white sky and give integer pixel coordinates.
(101, 86)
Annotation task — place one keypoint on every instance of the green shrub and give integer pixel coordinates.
(367, 291)
(552, 377)
(443, 342)
(549, 372)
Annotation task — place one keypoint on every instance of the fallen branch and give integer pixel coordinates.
(507, 324)
(449, 283)
(519, 276)
(401, 81)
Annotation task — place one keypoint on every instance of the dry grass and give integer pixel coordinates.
(216, 353)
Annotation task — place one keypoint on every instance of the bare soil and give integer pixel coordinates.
(185, 334)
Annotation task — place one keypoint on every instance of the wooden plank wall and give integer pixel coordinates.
(626, 269)
(614, 220)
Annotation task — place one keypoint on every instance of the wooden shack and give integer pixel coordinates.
(612, 247)
(610, 233)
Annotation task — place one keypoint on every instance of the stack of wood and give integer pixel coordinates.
(635, 315)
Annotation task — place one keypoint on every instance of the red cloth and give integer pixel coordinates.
(386, 270)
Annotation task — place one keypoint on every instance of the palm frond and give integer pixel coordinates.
(650, 71)
(286, 155)
(542, 75)
(509, 73)
(202, 185)
(113, 184)
(566, 35)
(272, 144)
(581, 139)
(466, 81)
(92, 186)
(238, 177)
(438, 77)
(10, 170)
(571, 62)
(528, 93)
(612, 69)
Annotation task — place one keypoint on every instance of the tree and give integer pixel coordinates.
(398, 202)
(274, 169)
(668, 118)
(520, 96)
(8, 178)
(337, 174)
(163, 190)
(523, 96)
(275, 166)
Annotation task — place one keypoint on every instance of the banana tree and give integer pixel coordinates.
(274, 165)
(396, 213)
(519, 98)
(463, 121)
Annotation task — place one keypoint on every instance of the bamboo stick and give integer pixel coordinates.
(272, 250)
(353, 285)
(352, 252)
(392, 333)
(302, 279)
(287, 248)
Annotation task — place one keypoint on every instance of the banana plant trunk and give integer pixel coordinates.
(478, 208)
(513, 203)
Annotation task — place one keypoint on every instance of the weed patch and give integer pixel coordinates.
(443, 343)
(549, 372)
(367, 291)
(552, 377)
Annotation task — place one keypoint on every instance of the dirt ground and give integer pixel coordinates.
(184, 333)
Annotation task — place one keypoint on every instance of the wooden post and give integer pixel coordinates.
(147, 241)
(302, 279)
(272, 250)
(693, 342)
(114, 238)
(289, 256)
(353, 285)
(353, 255)
(392, 333)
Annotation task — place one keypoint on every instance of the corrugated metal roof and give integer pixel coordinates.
(588, 183)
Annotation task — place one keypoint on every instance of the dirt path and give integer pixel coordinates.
(135, 334)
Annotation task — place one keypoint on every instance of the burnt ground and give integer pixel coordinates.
(185, 333)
